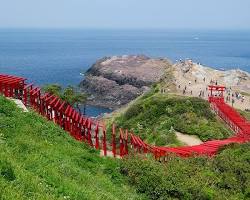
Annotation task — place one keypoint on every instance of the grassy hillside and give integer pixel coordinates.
(155, 115)
(226, 176)
(245, 114)
(38, 160)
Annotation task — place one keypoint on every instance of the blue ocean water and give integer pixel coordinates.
(58, 56)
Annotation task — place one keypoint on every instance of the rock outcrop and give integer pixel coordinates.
(115, 81)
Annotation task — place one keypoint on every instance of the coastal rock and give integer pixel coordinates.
(115, 81)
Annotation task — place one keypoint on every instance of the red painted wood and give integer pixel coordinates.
(97, 137)
(89, 133)
(113, 140)
(121, 143)
(104, 144)
(81, 127)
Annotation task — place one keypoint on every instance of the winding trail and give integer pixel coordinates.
(19, 104)
(189, 140)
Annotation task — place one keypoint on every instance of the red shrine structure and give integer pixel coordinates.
(94, 133)
(216, 91)
(11, 86)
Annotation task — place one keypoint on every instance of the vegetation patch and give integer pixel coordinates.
(245, 114)
(38, 160)
(155, 117)
(225, 176)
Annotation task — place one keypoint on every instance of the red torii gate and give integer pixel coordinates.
(88, 130)
(11, 86)
(218, 89)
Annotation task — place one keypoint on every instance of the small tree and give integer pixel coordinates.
(81, 99)
(69, 94)
(55, 89)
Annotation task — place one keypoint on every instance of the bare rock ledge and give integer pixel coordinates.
(115, 81)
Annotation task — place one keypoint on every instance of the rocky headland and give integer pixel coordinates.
(114, 81)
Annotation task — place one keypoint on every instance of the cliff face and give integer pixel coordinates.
(115, 81)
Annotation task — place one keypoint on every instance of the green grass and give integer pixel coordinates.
(38, 160)
(245, 114)
(154, 116)
(224, 177)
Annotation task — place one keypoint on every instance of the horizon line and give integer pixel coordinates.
(126, 28)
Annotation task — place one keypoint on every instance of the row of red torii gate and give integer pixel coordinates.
(124, 142)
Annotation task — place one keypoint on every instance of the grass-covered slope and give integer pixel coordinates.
(38, 160)
(154, 115)
(225, 176)
(245, 114)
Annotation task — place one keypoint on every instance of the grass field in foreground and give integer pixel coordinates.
(38, 160)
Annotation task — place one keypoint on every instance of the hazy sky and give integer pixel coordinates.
(208, 14)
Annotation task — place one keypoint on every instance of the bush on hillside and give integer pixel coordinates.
(157, 113)
(225, 176)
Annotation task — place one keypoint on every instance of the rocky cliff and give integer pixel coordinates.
(115, 81)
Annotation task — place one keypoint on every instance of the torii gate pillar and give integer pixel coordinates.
(217, 92)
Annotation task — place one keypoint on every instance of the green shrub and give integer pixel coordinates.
(132, 111)
(157, 113)
(225, 176)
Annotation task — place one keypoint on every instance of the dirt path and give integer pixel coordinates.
(109, 154)
(19, 104)
(189, 140)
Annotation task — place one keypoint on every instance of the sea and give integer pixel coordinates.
(46, 56)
